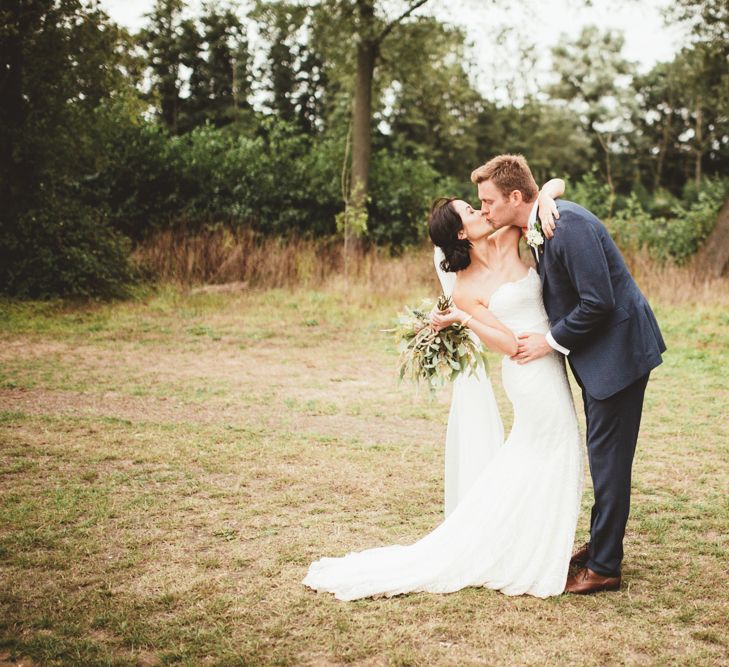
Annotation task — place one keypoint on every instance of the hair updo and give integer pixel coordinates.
(444, 223)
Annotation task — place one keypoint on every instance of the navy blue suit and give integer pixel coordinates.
(598, 313)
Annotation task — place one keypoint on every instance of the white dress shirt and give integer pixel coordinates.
(550, 339)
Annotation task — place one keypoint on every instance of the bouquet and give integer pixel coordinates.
(435, 357)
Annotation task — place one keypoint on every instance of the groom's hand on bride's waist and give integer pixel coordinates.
(531, 346)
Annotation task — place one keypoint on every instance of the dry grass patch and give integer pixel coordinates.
(170, 466)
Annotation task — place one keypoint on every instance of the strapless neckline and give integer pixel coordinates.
(511, 282)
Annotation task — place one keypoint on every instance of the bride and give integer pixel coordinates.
(475, 431)
(513, 530)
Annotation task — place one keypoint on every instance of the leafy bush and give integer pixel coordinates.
(677, 235)
(692, 224)
(633, 227)
(401, 190)
(141, 182)
(64, 248)
(660, 203)
(278, 182)
(594, 195)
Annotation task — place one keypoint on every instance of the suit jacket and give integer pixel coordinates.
(594, 306)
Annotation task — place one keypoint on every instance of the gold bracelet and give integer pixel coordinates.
(466, 321)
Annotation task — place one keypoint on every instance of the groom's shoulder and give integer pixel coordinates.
(577, 225)
(568, 209)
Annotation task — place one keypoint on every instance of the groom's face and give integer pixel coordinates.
(499, 210)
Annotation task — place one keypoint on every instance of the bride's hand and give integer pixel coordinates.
(547, 213)
(440, 319)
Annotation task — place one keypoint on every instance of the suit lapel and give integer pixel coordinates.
(539, 262)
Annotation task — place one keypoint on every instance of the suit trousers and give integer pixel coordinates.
(612, 434)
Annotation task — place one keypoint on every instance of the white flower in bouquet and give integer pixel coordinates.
(435, 357)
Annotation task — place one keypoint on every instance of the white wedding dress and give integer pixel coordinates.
(475, 431)
(514, 529)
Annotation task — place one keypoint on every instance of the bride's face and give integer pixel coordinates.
(475, 224)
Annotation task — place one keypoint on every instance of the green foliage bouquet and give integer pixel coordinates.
(435, 357)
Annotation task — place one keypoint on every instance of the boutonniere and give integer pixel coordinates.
(535, 238)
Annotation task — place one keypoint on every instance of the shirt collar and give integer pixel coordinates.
(533, 215)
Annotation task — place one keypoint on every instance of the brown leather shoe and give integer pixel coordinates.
(581, 556)
(586, 582)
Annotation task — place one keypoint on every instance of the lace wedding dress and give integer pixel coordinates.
(513, 531)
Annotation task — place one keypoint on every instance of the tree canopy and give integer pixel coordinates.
(282, 119)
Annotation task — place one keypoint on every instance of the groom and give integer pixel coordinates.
(604, 326)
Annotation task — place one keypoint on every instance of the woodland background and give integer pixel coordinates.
(169, 154)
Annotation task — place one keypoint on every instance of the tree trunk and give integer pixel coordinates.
(699, 143)
(168, 103)
(368, 47)
(713, 257)
(608, 168)
(663, 149)
(12, 104)
(361, 122)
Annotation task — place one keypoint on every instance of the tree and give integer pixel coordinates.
(713, 257)
(351, 95)
(162, 42)
(552, 137)
(16, 22)
(593, 80)
(215, 49)
(280, 23)
(428, 104)
(371, 32)
(65, 84)
(297, 73)
(660, 117)
(710, 21)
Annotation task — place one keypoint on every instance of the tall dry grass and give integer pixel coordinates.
(225, 256)
(668, 283)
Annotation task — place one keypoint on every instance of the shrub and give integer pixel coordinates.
(692, 224)
(401, 190)
(592, 194)
(633, 227)
(64, 248)
(141, 182)
(677, 235)
(278, 181)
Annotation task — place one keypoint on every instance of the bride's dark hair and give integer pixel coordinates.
(444, 223)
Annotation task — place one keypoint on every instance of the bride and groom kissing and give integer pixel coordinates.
(511, 524)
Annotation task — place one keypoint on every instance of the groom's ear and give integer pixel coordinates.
(516, 197)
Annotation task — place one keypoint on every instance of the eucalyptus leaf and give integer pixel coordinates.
(434, 357)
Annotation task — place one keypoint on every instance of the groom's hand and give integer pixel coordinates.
(531, 346)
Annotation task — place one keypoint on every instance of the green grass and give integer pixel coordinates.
(169, 466)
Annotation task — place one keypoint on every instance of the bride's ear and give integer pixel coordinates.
(461, 234)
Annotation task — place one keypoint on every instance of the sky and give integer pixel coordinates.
(647, 39)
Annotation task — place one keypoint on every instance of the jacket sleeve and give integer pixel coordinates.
(582, 255)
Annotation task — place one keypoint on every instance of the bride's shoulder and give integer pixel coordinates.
(465, 291)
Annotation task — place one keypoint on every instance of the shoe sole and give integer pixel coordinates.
(601, 589)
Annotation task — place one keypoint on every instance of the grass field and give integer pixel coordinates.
(170, 465)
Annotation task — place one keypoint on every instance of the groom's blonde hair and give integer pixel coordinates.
(508, 173)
